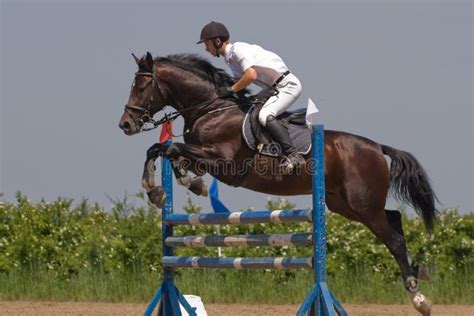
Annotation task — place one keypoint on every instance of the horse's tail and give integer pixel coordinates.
(410, 184)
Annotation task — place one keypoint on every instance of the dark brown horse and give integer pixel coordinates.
(357, 176)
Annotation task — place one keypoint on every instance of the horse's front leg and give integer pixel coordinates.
(156, 194)
(195, 184)
(182, 157)
(187, 157)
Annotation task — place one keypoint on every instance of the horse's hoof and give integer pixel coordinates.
(423, 273)
(198, 186)
(161, 202)
(184, 181)
(157, 196)
(421, 304)
(205, 190)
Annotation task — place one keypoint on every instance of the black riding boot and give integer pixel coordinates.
(280, 134)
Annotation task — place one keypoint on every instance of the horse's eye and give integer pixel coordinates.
(141, 89)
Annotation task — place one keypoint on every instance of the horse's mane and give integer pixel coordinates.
(198, 66)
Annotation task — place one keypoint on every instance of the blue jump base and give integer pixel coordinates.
(319, 301)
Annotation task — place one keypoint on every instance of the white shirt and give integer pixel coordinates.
(240, 56)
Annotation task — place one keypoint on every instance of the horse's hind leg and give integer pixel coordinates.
(392, 236)
(385, 225)
(363, 187)
(395, 219)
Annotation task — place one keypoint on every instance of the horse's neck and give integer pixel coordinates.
(187, 92)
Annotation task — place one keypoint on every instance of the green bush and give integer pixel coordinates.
(65, 240)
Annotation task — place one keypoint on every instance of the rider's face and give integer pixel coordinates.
(210, 47)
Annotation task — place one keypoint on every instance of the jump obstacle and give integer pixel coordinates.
(319, 301)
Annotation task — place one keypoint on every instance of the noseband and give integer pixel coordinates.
(146, 116)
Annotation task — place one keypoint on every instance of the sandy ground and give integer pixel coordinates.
(106, 309)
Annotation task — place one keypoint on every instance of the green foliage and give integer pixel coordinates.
(62, 242)
(191, 207)
(65, 240)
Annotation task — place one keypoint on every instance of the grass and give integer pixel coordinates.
(218, 286)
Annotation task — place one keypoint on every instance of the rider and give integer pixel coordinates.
(253, 64)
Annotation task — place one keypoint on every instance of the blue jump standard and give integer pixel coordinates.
(320, 300)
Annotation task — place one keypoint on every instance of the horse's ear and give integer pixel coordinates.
(149, 61)
(137, 60)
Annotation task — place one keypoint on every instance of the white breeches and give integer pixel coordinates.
(289, 90)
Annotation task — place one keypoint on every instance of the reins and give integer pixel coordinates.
(174, 115)
(147, 118)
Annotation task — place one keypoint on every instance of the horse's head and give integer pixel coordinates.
(146, 97)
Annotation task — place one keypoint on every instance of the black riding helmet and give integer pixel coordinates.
(213, 30)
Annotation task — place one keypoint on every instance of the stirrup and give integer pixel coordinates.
(291, 162)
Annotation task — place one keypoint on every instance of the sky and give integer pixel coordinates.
(397, 72)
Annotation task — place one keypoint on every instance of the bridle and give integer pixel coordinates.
(147, 116)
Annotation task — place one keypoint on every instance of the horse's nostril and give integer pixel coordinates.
(125, 126)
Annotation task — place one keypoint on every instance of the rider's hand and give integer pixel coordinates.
(225, 92)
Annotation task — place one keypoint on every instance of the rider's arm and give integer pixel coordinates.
(248, 77)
